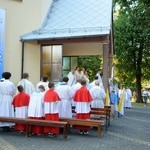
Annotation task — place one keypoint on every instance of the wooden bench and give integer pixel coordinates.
(29, 122)
(60, 124)
(100, 113)
(82, 122)
(15, 120)
(104, 112)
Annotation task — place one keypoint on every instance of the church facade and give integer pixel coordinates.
(40, 36)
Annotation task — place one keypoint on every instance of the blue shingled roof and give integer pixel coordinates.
(74, 18)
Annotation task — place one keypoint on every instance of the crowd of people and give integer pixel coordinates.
(51, 101)
(48, 101)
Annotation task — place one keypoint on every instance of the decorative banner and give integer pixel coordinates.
(2, 44)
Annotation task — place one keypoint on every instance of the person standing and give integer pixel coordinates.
(51, 109)
(99, 75)
(74, 88)
(43, 82)
(7, 92)
(145, 96)
(21, 103)
(72, 77)
(27, 85)
(83, 100)
(98, 95)
(65, 94)
(36, 108)
(92, 84)
(86, 76)
(128, 96)
(113, 102)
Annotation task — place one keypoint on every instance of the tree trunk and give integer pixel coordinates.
(139, 74)
(139, 87)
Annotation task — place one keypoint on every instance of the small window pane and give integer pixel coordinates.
(46, 54)
(56, 72)
(66, 63)
(57, 53)
(74, 62)
(46, 70)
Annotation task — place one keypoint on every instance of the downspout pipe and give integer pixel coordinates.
(22, 60)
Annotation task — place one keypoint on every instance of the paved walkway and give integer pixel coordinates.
(131, 132)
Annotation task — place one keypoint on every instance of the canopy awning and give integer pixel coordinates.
(74, 19)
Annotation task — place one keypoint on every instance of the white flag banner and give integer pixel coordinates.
(2, 37)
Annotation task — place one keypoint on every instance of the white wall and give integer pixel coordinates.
(46, 4)
(84, 49)
(22, 17)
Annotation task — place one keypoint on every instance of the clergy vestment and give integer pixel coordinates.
(65, 94)
(21, 103)
(7, 91)
(98, 95)
(36, 110)
(51, 111)
(72, 79)
(121, 96)
(127, 101)
(74, 88)
(83, 100)
(45, 84)
(27, 86)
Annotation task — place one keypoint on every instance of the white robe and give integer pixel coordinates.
(128, 95)
(7, 91)
(36, 105)
(72, 79)
(51, 107)
(65, 94)
(98, 95)
(92, 84)
(45, 84)
(74, 88)
(21, 112)
(99, 78)
(87, 81)
(27, 85)
(82, 107)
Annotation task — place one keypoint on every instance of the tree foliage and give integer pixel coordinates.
(91, 63)
(132, 42)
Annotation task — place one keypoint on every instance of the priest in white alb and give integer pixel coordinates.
(74, 88)
(72, 77)
(7, 92)
(43, 82)
(98, 95)
(27, 85)
(65, 94)
(128, 96)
